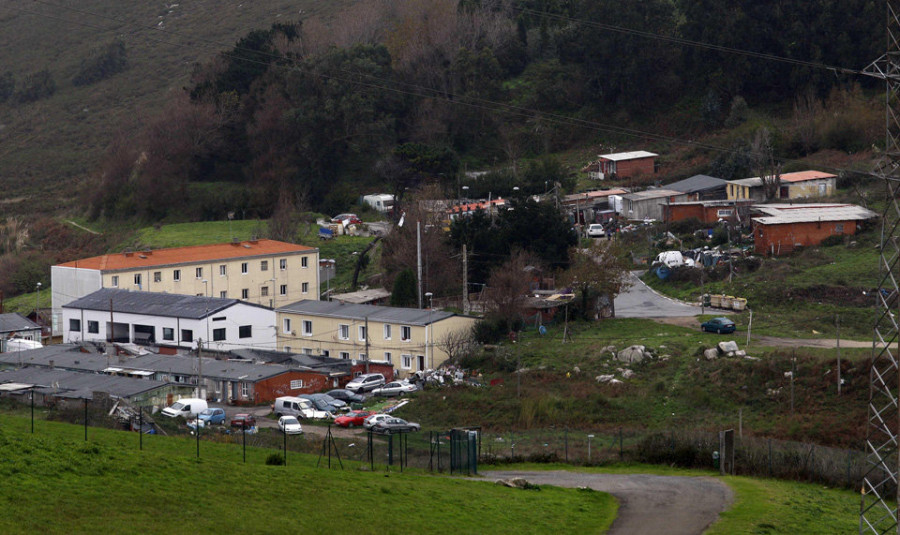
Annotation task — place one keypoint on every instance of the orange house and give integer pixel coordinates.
(783, 227)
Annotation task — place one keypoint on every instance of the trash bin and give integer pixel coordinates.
(715, 300)
(727, 301)
(739, 304)
(705, 299)
(716, 460)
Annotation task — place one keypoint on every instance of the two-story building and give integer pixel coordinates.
(410, 339)
(265, 272)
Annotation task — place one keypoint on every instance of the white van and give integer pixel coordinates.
(186, 407)
(299, 407)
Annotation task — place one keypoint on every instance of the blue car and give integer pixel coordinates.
(718, 326)
(213, 417)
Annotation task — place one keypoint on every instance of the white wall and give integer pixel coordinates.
(260, 320)
(68, 284)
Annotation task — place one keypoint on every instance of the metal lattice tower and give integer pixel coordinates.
(879, 486)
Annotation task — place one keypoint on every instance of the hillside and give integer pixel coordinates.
(50, 146)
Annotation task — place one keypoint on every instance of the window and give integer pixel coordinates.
(264, 291)
(187, 335)
(223, 270)
(264, 265)
(157, 276)
(343, 332)
(245, 390)
(176, 275)
(137, 279)
(220, 318)
(244, 331)
(168, 333)
(94, 327)
(326, 353)
(362, 333)
(287, 349)
(296, 384)
(307, 351)
(218, 335)
(363, 356)
(839, 228)
(282, 264)
(387, 331)
(724, 212)
(74, 325)
(304, 262)
(287, 326)
(245, 293)
(244, 268)
(223, 294)
(387, 356)
(282, 290)
(406, 333)
(199, 272)
(345, 355)
(115, 281)
(307, 328)
(304, 287)
(406, 361)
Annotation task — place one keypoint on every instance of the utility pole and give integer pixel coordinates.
(793, 372)
(368, 357)
(465, 288)
(112, 324)
(419, 259)
(837, 323)
(199, 369)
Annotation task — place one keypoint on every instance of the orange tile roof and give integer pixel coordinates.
(186, 255)
(802, 176)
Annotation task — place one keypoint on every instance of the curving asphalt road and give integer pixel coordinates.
(674, 505)
(639, 301)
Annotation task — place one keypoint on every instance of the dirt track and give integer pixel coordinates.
(673, 505)
(769, 341)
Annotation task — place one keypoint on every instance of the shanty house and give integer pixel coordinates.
(701, 188)
(800, 185)
(623, 165)
(649, 204)
(780, 228)
(16, 325)
(708, 212)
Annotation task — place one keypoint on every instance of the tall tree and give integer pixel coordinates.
(596, 272)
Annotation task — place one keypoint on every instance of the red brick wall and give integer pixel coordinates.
(684, 211)
(638, 166)
(267, 390)
(783, 237)
(384, 369)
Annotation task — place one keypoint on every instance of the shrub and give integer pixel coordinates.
(7, 86)
(274, 459)
(831, 241)
(36, 87)
(739, 112)
(103, 63)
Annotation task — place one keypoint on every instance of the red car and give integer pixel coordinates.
(351, 219)
(353, 419)
(243, 420)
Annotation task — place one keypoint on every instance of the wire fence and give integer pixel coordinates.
(464, 451)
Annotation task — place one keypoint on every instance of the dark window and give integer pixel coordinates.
(218, 335)
(168, 333)
(74, 325)
(93, 327)
(187, 335)
(220, 318)
(244, 331)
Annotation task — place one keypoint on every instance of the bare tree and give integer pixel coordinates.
(284, 223)
(763, 157)
(807, 109)
(596, 272)
(508, 288)
(456, 344)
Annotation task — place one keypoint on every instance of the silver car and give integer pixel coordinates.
(395, 388)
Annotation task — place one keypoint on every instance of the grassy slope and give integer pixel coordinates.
(57, 483)
(52, 145)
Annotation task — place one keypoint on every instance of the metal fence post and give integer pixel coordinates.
(141, 428)
(620, 444)
(32, 410)
(770, 457)
(85, 419)
(244, 438)
(566, 438)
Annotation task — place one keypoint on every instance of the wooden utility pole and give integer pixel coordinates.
(793, 372)
(112, 324)
(368, 357)
(837, 322)
(199, 372)
(465, 277)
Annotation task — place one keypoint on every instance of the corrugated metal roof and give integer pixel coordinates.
(188, 255)
(591, 195)
(14, 322)
(155, 304)
(333, 309)
(777, 214)
(619, 156)
(652, 194)
(79, 384)
(362, 296)
(697, 183)
(791, 178)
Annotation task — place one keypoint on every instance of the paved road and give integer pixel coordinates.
(674, 505)
(639, 301)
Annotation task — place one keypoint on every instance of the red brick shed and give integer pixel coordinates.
(783, 227)
(708, 212)
(625, 164)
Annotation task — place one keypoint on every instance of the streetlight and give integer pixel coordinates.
(205, 287)
(430, 329)
(589, 447)
(37, 302)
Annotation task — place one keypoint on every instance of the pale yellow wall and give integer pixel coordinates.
(233, 282)
(325, 336)
(811, 188)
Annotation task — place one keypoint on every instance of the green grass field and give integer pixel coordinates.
(58, 483)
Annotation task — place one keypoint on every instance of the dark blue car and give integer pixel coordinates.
(718, 326)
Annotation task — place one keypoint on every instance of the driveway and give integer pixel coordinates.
(674, 505)
(639, 301)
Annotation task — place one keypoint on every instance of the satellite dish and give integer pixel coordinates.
(542, 330)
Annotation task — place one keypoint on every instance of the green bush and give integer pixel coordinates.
(103, 63)
(36, 86)
(831, 241)
(274, 459)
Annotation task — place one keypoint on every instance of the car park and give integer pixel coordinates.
(289, 425)
(212, 417)
(718, 326)
(595, 230)
(243, 420)
(346, 396)
(395, 388)
(374, 419)
(366, 382)
(395, 425)
(353, 419)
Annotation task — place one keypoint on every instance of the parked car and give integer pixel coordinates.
(366, 382)
(346, 395)
(595, 230)
(353, 419)
(718, 325)
(212, 417)
(186, 407)
(299, 407)
(395, 388)
(290, 425)
(351, 219)
(326, 403)
(374, 419)
(395, 425)
(243, 420)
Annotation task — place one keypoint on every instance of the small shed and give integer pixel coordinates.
(16, 325)
(709, 212)
(701, 188)
(781, 228)
(624, 165)
(649, 204)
